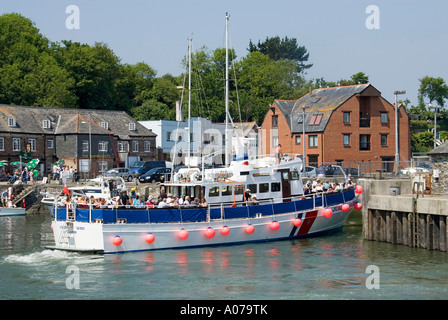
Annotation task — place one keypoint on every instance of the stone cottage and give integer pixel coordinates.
(438, 158)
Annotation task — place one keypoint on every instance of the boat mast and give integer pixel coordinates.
(227, 93)
(189, 102)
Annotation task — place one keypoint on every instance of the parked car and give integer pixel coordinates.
(409, 171)
(156, 175)
(310, 172)
(141, 167)
(125, 173)
(329, 170)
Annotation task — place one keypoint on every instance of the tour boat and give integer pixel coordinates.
(282, 210)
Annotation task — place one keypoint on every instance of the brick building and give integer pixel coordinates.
(343, 125)
(107, 139)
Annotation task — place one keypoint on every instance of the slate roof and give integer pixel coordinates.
(70, 121)
(442, 149)
(319, 102)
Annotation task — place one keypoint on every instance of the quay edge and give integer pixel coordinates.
(393, 211)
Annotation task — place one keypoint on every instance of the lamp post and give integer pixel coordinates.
(303, 142)
(90, 150)
(397, 154)
(430, 106)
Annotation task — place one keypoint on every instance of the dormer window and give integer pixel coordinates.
(46, 124)
(105, 125)
(11, 122)
(131, 126)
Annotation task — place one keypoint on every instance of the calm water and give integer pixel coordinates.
(328, 267)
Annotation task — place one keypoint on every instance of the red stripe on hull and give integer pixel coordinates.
(307, 223)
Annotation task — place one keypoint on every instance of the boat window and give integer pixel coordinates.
(264, 187)
(213, 192)
(252, 188)
(275, 186)
(239, 190)
(294, 175)
(226, 190)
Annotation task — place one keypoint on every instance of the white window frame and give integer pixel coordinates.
(2, 144)
(102, 166)
(134, 146)
(50, 143)
(147, 147)
(32, 142)
(102, 146)
(15, 144)
(85, 146)
(131, 126)
(46, 124)
(105, 125)
(123, 146)
(11, 122)
(313, 141)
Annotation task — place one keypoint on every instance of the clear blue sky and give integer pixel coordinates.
(412, 40)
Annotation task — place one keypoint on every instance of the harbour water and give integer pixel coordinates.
(333, 267)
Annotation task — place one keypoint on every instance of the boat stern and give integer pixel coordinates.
(78, 236)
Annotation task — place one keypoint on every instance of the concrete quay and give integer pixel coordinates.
(393, 211)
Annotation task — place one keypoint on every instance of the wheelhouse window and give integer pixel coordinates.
(238, 190)
(275, 186)
(264, 187)
(252, 188)
(213, 192)
(226, 190)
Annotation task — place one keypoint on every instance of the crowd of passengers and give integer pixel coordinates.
(184, 201)
(136, 201)
(327, 187)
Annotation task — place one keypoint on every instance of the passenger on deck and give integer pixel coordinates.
(195, 202)
(254, 201)
(278, 154)
(247, 195)
(124, 199)
(163, 204)
(203, 203)
(139, 203)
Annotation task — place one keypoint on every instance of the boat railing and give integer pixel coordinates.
(266, 207)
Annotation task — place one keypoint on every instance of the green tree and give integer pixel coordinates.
(29, 74)
(435, 89)
(283, 49)
(153, 110)
(95, 69)
(261, 80)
